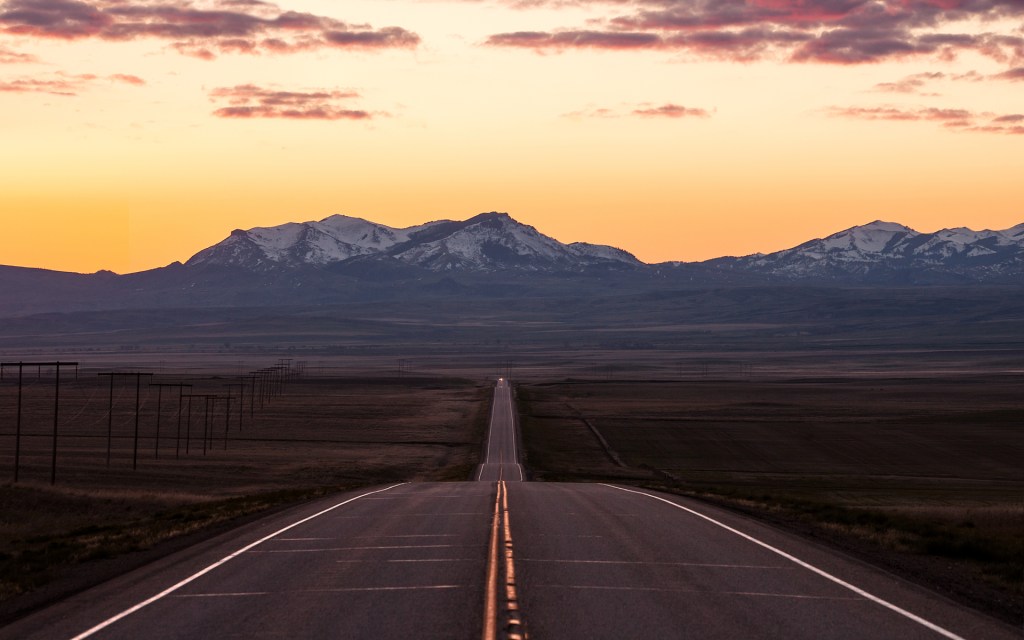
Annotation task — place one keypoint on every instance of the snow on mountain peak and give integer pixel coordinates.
(487, 241)
(866, 239)
(494, 241)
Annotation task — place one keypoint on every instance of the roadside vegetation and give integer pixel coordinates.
(919, 476)
(323, 436)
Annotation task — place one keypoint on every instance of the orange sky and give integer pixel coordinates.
(669, 128)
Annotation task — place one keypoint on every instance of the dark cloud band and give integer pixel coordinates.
(226, 26)
(823, 31)
(251, 101)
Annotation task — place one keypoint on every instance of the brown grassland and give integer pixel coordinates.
(321, 435)
(922, 475)
(887, 423)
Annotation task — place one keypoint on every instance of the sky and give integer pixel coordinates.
(134, 133)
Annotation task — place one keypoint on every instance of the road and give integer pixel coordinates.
(501, 459)
(502, 558)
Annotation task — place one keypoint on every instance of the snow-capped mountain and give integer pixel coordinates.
(494, 241)
(886, 251)
(340, 260)
(487, 242)
(330, 240)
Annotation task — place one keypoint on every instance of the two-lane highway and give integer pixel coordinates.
(501, 459)
(502, 558)
(600, 561)
(406, 561)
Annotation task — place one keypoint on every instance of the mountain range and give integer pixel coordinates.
(485, 243)
(495, 242)
(341, 259)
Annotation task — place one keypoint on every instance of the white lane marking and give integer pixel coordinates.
(378, 561)
(438, 560)
(408, 515)
(337, 590)
(490, 432)
(415, 497)
(413, 535)
(795, 596)
(512, 426)
(455, 497)
(408, 546)
(885, 603)
(169, 590)
(659, 564)
(425, 587)
(222, 595)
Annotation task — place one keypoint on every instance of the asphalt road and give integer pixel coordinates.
(598, 561)
(501, 460)
(483, 559)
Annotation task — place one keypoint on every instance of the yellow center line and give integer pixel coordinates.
(491, 595)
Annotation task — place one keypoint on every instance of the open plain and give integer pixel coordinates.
(318, 436)
(922, 474)
(889, 431)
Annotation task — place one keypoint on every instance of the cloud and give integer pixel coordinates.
(201, 30)
(593, 112)
(821, 31)
(127, 79)
(62, 84)
(914, 84)
(910, 84)
(9, 56)
(646, 110)
(671, 111)
(58, 86)
(1016, 74)
(577, 39)
(251, 101)
(896, 113)
(953, 119)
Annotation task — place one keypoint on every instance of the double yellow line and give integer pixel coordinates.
(501, 534)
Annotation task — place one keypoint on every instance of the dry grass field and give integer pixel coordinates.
(922, 474)
(319, 435)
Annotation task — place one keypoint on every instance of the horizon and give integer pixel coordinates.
(132, 144)
(504, 213)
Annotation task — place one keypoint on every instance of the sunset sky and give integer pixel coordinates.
(134, 133)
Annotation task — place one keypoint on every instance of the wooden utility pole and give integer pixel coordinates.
(56, 409)
(159, 397)
(110, 419)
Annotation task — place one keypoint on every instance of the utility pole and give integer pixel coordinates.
(211, 401)
(56, 409)
(227, 418)
(241, 396)
(188, 422)
(110, 419)
(262, 375)
(159, 397)
(206, 420)
(252, 395)
(17, 428)
(177, 437)
(206, 424)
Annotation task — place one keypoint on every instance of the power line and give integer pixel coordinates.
(159, 397)
(138, 388)
(56, 409)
